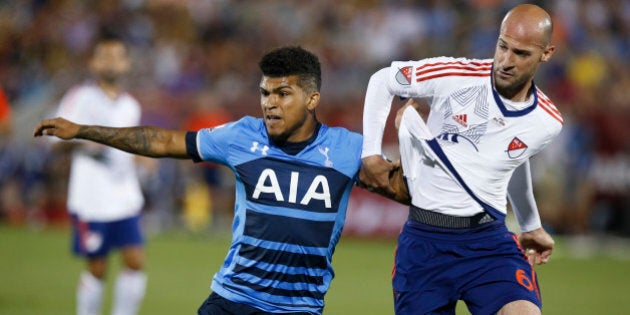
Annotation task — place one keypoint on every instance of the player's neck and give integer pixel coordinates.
(520, 94)
(112, 90)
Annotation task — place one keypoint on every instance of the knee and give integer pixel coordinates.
(519, 307)
(133, 258)
(97, 268)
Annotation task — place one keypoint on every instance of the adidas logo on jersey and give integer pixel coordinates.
(461, 119)
(516, 148)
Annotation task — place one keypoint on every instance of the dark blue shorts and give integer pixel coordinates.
(218, 305)
(97, 239)
(484, 266)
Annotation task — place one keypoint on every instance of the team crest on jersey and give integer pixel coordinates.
(324, 152)
(404, 75)
(516, 148)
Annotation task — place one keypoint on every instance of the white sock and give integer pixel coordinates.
(128, 292)
(89, 294)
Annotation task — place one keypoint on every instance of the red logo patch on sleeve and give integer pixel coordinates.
(403, 76)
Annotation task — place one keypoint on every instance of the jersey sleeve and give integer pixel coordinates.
(521, 196)
(406, 79)
(212, 144)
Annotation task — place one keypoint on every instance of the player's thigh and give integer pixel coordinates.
(500, 280)
(520, 307)
(423, 302)
(423, 277)
(126, 233)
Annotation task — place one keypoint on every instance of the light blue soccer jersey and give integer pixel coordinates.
(288, 216)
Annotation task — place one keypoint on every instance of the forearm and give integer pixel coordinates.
(521, 196)
(146, 141)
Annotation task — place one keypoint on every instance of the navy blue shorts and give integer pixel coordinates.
(97, 239)
(484, 266)
(218, 305)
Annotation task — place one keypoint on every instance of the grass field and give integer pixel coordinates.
(38, 276)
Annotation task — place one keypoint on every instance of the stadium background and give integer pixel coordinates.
(195, 64)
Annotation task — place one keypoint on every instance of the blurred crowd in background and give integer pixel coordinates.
(195, 65)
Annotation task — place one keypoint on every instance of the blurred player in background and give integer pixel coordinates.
(293, 180)
(5, 116)
(486, 119)
(104, 194)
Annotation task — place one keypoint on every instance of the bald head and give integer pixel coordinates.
(529, 23)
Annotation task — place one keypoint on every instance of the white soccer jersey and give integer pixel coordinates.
(102, 188)
(473, 139)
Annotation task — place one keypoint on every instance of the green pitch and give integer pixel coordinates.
(38, 275)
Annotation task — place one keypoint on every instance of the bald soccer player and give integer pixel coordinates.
(486, 119)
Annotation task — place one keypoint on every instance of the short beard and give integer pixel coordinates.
(509, 91)
(109, 78)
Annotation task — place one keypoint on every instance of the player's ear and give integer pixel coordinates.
(547, 53)
(313, 100)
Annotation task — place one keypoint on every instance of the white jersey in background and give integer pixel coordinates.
(472, 142)
(102, 187)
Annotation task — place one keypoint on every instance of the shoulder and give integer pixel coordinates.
(77, 97)
(549, 111)
(342, 136)
(245, 126)
(445, 64)
(80, 90)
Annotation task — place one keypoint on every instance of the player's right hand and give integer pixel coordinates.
(58, 127)
(374, 174)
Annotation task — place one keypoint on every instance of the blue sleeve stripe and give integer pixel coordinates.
(435, 146)
(191, 146)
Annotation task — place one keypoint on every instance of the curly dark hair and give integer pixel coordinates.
(293, 60)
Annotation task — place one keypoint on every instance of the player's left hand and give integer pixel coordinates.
(538, 246)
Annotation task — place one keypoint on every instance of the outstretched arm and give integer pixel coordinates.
(147, 141)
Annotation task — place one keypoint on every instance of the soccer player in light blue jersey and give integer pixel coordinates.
(293, 179)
